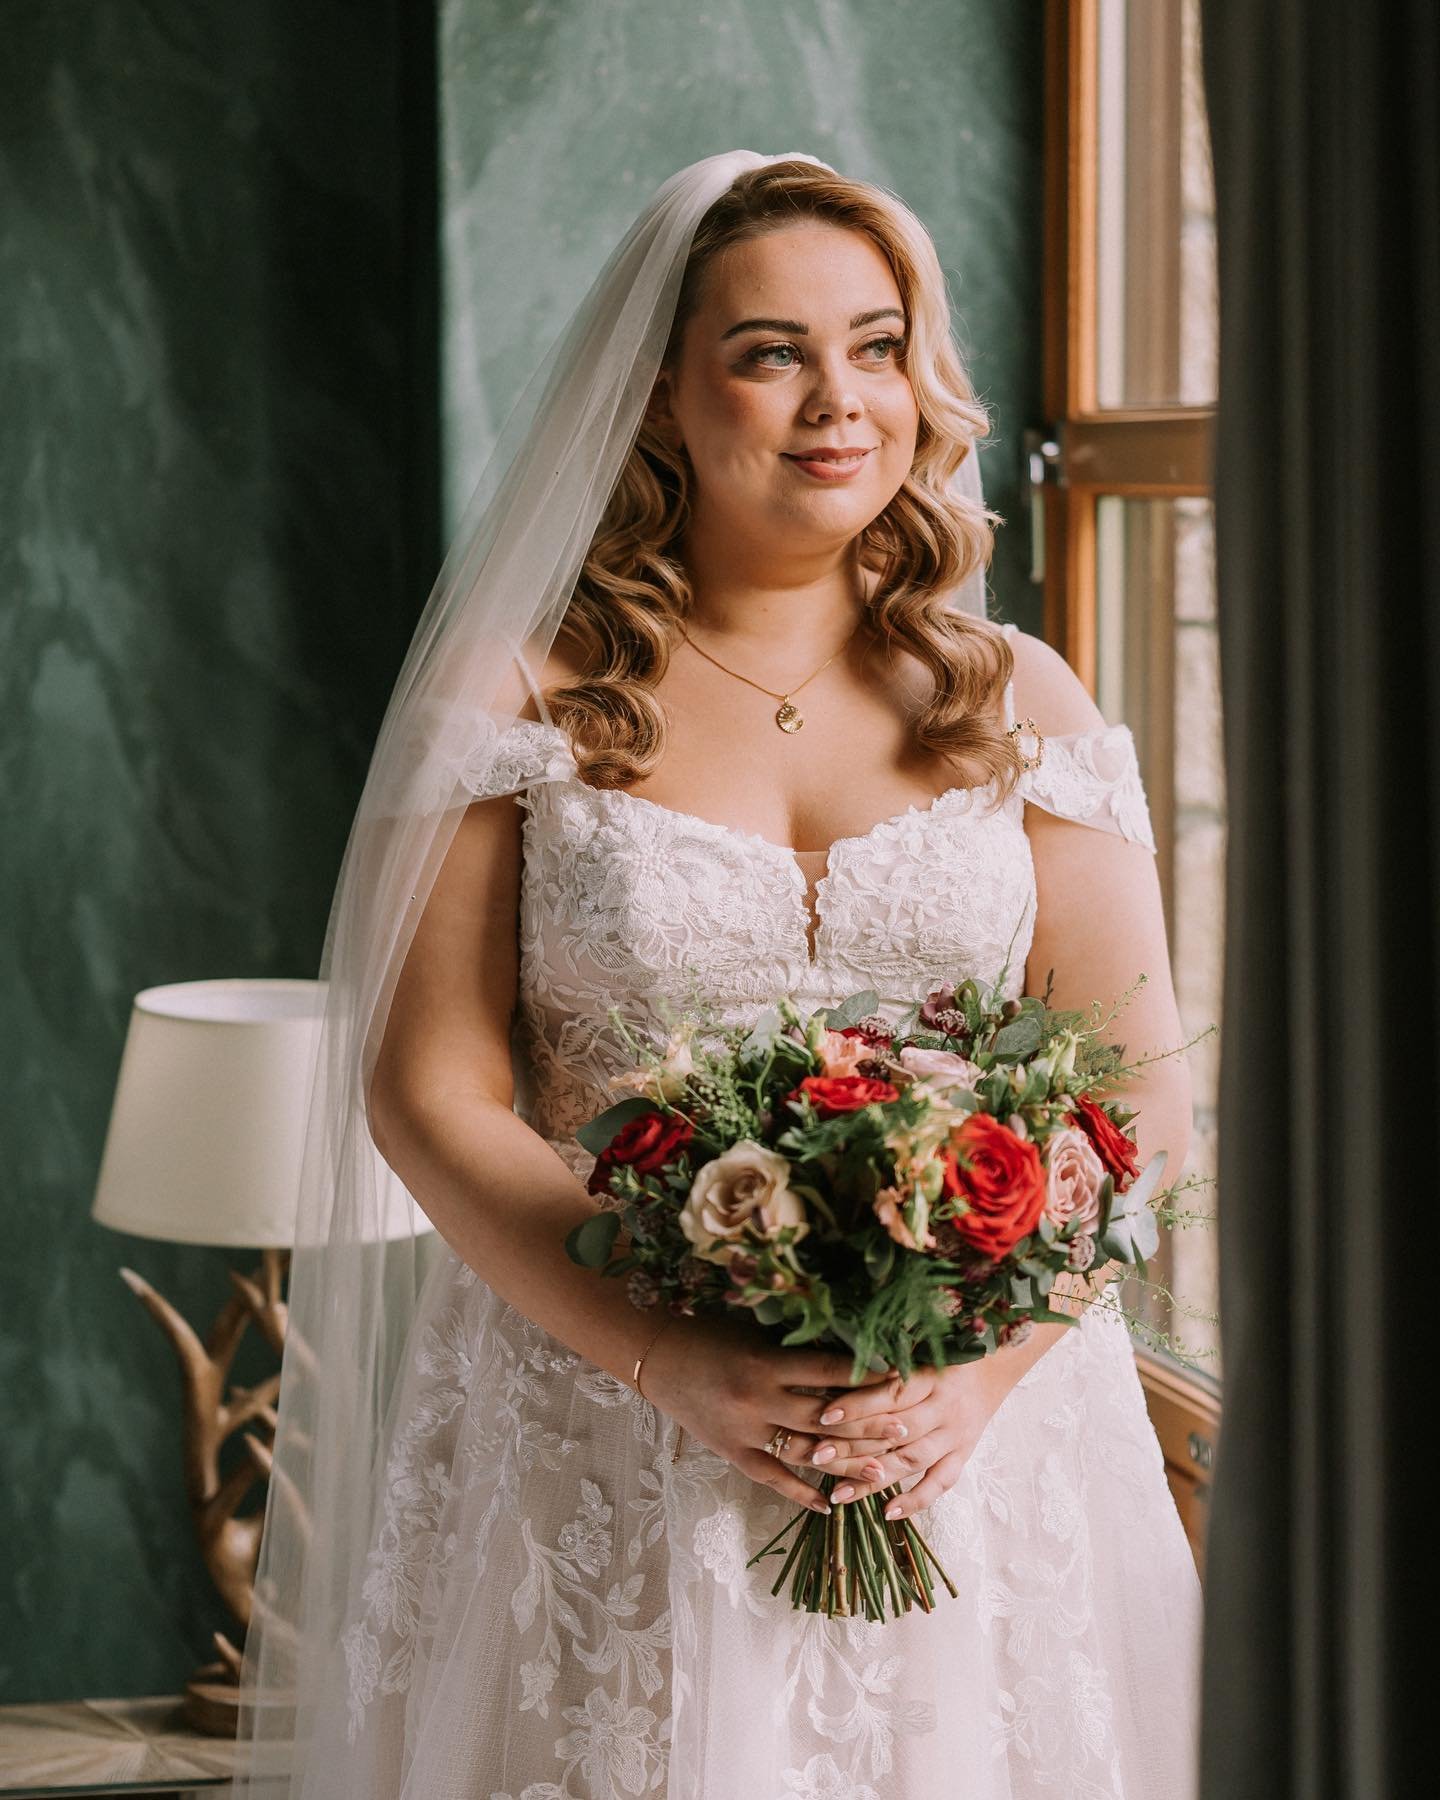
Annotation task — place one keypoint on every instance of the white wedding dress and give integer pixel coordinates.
(553, 1608)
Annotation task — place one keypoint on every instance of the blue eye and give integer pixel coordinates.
(888, 346)
(769, 350)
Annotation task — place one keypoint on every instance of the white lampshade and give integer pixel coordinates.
(207, 1128)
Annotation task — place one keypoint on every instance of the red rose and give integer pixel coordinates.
(1003, 1186)
(645, 1143)
(843, 1093)
(1114, 1149)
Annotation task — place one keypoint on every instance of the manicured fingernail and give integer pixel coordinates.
(872, 1471)
(892, 1511)
(833, 1417)
(842, 1493)
(899, 1429)
(820, 1504)
(824, 1454)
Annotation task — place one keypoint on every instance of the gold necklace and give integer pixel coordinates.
(787, 715)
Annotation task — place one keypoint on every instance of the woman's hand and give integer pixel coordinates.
(945, 1412)
(731, 1389)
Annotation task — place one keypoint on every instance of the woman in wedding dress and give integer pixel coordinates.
(772, 745)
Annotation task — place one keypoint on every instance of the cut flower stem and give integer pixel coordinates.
(844, 1566)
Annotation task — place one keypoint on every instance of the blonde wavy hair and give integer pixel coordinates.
(624, 618)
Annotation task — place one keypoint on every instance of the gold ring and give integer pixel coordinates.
(778, 1440)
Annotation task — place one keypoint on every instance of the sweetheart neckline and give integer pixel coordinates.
(813, 919)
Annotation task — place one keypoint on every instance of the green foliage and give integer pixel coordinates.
(846, 1280)
(599, 1133)
(592, 1240)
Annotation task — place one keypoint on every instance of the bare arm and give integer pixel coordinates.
(1100, 923)
(441, 1114)
(441, 1104)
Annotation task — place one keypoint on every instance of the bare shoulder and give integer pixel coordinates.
(1047, 689)
(517, 693)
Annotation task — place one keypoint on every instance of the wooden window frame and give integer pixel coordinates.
(1086, 452)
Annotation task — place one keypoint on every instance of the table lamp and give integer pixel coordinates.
(204, 1146)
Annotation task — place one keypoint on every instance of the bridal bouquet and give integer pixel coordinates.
(912, 1192)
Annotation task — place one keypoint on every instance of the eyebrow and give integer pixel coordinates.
(798, 330)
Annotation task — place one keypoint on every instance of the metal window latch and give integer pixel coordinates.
(1044, 466)
(1202, 1450)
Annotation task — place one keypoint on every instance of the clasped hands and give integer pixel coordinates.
(770, 1410)
(886, 1430)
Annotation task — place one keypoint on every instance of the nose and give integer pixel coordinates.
(833, 393)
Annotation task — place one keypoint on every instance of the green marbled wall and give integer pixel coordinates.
(560, 118)
(211, 554)
(220, 390)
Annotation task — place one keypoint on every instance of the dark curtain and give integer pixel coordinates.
(1326, 135)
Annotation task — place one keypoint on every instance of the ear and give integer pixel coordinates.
(659, 412)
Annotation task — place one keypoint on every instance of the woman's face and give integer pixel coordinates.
(795, 347)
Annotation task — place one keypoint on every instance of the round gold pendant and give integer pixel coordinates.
(788, 717)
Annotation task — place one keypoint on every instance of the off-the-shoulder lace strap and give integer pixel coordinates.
(1090, 776)
(524, 754)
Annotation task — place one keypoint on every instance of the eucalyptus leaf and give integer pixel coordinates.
(760, 1040)
(599, 1133)
(1019, 1038)
(856, 1006)
(1107, 1200)
(1138, 1194)
(592, 1240)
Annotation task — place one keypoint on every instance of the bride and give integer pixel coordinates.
(706, 709)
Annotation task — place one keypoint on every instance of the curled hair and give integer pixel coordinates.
(633, 592)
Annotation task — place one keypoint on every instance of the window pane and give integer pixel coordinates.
(1154, 209)
(1157, 668)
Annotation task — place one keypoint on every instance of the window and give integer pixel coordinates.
(1119, 500)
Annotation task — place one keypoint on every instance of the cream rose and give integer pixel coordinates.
(1074, 1174)
(744, 1192)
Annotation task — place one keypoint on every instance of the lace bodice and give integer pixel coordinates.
(629, 904)
(559, 1601)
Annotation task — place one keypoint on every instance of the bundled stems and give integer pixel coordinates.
(853, 1560)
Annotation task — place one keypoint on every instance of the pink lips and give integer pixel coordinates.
(833, 463)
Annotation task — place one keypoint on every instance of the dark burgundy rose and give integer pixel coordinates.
(872, 1030)
(645, 1143)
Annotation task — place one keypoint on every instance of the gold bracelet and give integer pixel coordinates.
(635, 1372)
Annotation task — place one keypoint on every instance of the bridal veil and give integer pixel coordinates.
(362, 1247)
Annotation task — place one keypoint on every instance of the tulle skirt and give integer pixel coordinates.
(553, 1609)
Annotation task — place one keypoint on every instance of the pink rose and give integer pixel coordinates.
(1074, 1174)
(888, 1209)
(841, 1054)
(941, 1068)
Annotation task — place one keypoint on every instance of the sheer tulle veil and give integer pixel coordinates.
(362, 1247)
